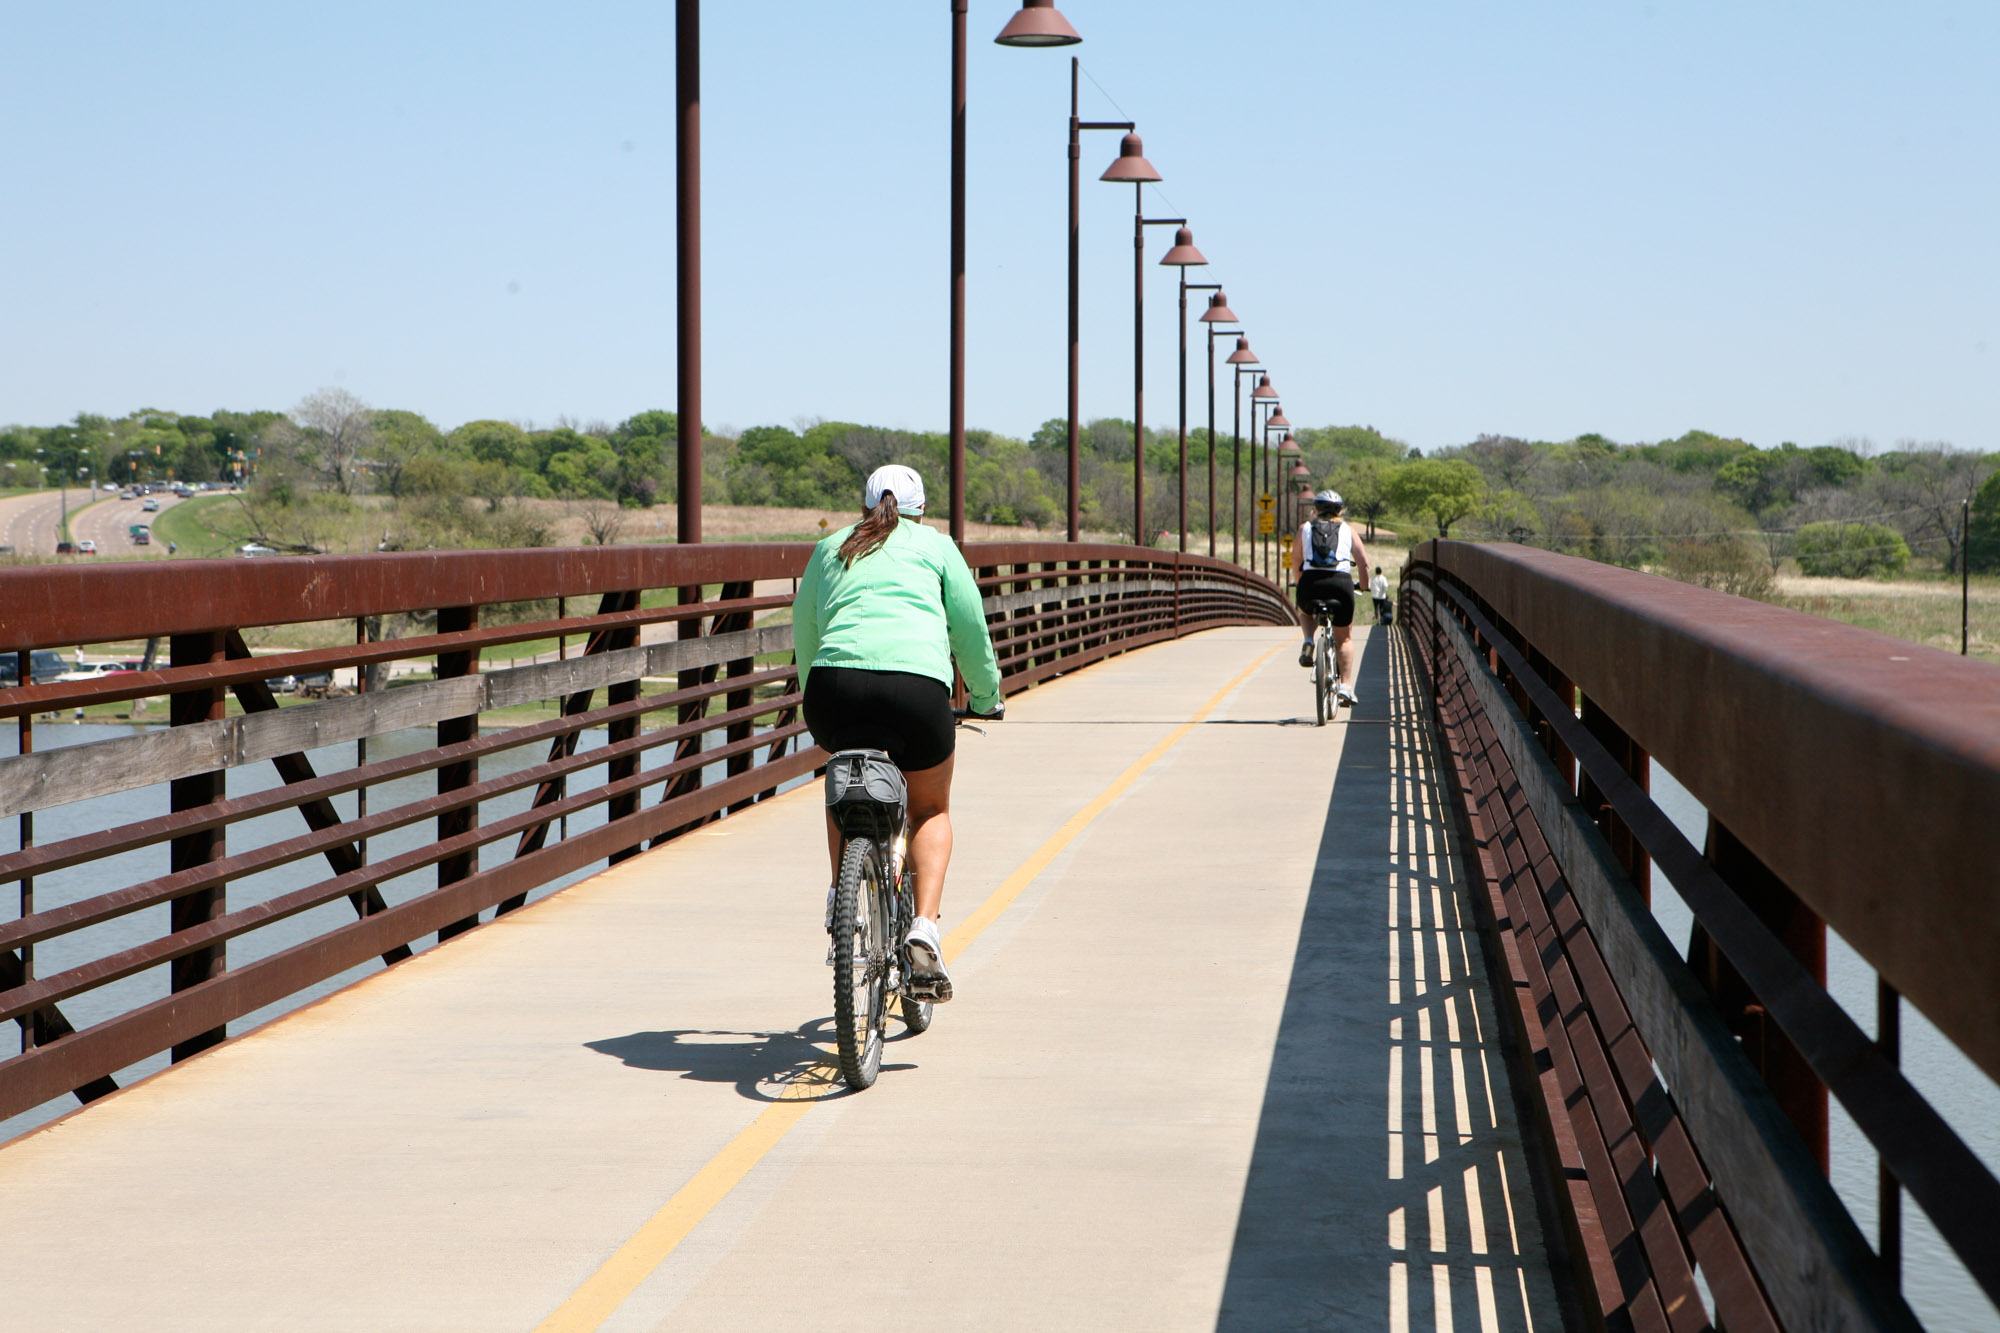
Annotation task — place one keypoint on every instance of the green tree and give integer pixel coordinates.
(401, 438)
(1364, 484)
(1444, 490)
(1983, 537)
(1849, 550)
(495, 442)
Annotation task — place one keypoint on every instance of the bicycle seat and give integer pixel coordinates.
(1323, 608)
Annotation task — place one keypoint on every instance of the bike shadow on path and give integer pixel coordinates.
(1388, 1095)
(763, 1066)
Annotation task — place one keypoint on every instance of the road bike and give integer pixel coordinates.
(1326, 670)
(874, 904)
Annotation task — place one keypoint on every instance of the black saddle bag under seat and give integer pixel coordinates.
(865, 794)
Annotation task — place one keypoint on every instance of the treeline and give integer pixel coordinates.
(309, 471)
(1705, 507)
(1720, 511)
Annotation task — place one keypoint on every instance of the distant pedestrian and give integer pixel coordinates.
(1378, 587)
(172, 547)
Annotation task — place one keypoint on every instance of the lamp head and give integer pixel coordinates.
(1218, 311)
(1242, 356)
(1131, 166)
(1264, 390)
(1276, 421)
(1039, 23)
(1183, 254)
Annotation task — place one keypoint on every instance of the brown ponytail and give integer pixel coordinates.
(873, 529)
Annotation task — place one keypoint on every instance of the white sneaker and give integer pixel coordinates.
(1346, 695)
(928, 980)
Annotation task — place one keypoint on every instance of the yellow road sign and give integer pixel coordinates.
(1263, 502)
(1266, 525)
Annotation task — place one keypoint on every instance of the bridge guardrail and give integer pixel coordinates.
(733, 706)
(1842, 772)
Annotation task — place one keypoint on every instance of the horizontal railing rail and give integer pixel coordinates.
(680, 673)
(1838, 768)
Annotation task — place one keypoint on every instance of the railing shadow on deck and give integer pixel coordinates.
(1388, 1186)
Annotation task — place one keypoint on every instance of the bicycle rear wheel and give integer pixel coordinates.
(860, 962)
(1320, 655)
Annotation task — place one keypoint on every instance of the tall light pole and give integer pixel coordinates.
(1182, 257)
(1267, 396)
(1132, 166)
(1076, 128)
(1038, 23)
(687, 273)
(1277, 483)
(1217, 314)
(1241, 361)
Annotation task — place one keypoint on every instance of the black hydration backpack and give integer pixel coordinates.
(1326, 540)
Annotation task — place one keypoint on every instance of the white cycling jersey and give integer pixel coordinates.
(1343, 548)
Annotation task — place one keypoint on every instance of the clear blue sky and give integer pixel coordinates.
(1759, 218)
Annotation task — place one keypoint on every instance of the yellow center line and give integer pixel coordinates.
(609, 1287)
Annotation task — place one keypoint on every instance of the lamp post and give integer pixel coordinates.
(1076, 128)
(687, 278)
(1239, 361)
(1217, 314)
(1268, 397)
(1132, 166)
(1276, 421)
(1182, 257)
(1038, 23)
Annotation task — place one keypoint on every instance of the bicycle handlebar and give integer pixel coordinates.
(998, 714)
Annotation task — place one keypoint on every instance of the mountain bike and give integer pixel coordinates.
(874, 904)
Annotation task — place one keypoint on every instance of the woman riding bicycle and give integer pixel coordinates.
(1328, 561)
(883, 608)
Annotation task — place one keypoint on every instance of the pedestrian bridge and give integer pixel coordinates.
(1260, 1024)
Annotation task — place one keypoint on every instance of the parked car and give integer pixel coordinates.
(282, 684)
(150, 504)
(256, 548)
(92, 670)
(86, 547)
(65, 548)
(44, 665)
(314, 684)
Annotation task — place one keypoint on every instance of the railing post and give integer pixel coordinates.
(189, 851)
(735, 699)
(619, 692)
(452, 777)
(1798, 1090)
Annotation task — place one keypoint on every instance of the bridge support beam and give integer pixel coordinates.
(451, 777)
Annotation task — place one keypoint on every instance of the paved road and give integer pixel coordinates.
(108, 523)
(1223, 1058)
(30, 523)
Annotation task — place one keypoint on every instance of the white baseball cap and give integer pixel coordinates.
(895, 479)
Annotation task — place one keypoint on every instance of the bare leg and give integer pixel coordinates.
(832, 848)
(930, 834)
(1343, 653)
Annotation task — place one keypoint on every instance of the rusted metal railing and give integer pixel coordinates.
(685, 671)
(1851, 781)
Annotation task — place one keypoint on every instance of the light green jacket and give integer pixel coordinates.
(911, 606)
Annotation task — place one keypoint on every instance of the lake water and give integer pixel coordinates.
(1935, 1283)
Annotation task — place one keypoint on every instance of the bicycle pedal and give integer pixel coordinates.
(933, 990)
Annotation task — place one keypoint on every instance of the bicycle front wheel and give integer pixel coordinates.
(1320, 674)
(860, 962)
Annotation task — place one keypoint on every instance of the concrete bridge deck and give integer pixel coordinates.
(1224, 1056)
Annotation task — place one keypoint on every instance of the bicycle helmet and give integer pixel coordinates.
(1327, 498)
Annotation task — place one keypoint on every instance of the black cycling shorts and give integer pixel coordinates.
(906, 715)
(1334, 587)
